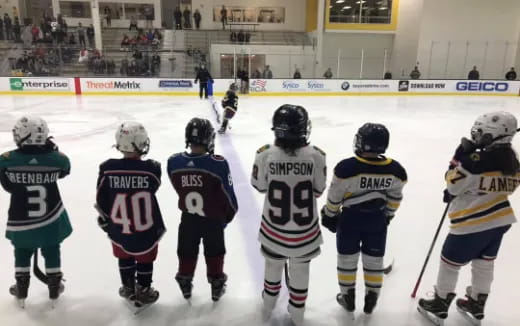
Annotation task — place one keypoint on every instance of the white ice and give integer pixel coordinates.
(424, 134)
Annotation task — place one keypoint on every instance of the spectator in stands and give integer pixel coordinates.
(81, 35)
(474, 74)
(35, 32)
(17, 30)
(8, 27)
(241, 37)
(257, 74)
(244, 81)
(149, 36)
(267, 74)
(187, 17)
(108, 16)
(90, 36)
(132, 68)
(156, 64)
(388, 75)
(1, 29)
(157, 34)
(223, 17)
(133, 24)
(297, 74)
(247, 37)
(177, 16)
(123, 70)
(197, 17)
(511, 74)
(83, 55)
(149, 15)
(233, 37)
(415, 74)
(204, 77)
(125, 43)
(328, 73)
(72, 39)
(155, 43)
(137, 55)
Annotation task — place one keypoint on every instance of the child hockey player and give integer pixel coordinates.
(230, 107)
(130, 214)
(292, 173)
(208, 203)
(365, 192)
(483, 173)
(37, 218)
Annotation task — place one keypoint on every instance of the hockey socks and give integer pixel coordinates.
(144, 274)
(215, 266)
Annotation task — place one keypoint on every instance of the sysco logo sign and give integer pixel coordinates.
(483, 86)
(287, 84)
(313, 84)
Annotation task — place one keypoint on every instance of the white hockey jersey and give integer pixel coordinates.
(292, 183)
(481, 201)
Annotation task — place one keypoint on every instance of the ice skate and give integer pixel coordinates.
(222, 130)
(218, 287)
(127, 291)
(185, 285)
(370, 302)
(348, 300)
(436, 309)
(21, 288)
(144, 298)
(296, 314)
(269, 301)
(471, 309)
(56, 287)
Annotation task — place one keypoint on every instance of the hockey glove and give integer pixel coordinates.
(466, 147)
(103, 223)
(330, 222)
(447, 197)
(49, 144)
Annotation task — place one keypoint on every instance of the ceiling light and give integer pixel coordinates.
(340, 1)
(383, 8)
(346, 7)
(359, 1)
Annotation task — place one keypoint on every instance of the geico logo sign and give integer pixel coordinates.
(483, 86)
(114, 85)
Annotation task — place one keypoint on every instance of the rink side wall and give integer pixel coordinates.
(258, 87)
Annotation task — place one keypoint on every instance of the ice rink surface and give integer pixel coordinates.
(424, 134)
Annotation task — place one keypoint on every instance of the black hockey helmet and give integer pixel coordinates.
(233, 87)
(200, 132)
(371, 138)
(291, 126)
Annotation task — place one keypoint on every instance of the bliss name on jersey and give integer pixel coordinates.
(295, 168)
(129, 182)
(375, 183)
(500, 184)
(32, 177)
(192, 180)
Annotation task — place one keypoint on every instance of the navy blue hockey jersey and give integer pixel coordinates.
(126, 196)
(204, 185)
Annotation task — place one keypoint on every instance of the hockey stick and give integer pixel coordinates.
(286, 273)
(213, 104)
(37, 271)
(388, 269)
(414, 292)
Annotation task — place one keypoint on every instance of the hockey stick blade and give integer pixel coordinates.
(388, 269)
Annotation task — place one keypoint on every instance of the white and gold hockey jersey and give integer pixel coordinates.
(366, 184)
(481, 191)
(292, 183)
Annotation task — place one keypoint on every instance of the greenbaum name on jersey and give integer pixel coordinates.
(32, 177)
(295, 168)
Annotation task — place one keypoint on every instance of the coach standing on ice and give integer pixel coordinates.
(204, 77)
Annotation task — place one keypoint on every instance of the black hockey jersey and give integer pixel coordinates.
(230, 101)
(126, 196)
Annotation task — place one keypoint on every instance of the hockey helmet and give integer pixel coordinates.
(200, 132)
(291, 123)
(494, 128)
(131, 137)
(371, 138)
(30, 130)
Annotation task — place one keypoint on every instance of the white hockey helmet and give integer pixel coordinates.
(30, 130)
(131, 137)
(494, 128)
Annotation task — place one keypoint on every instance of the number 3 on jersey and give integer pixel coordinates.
(282, 197)
(140, 202)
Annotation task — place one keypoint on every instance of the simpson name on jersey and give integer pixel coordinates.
(290, 216)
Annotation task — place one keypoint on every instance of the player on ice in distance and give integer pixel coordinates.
(365, 192)
(230, 107)
(130, 214)
(37, 218)
(292, 174)
(482, 174)
(208, 203)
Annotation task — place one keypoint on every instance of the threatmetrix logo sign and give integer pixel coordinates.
(25, 84)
